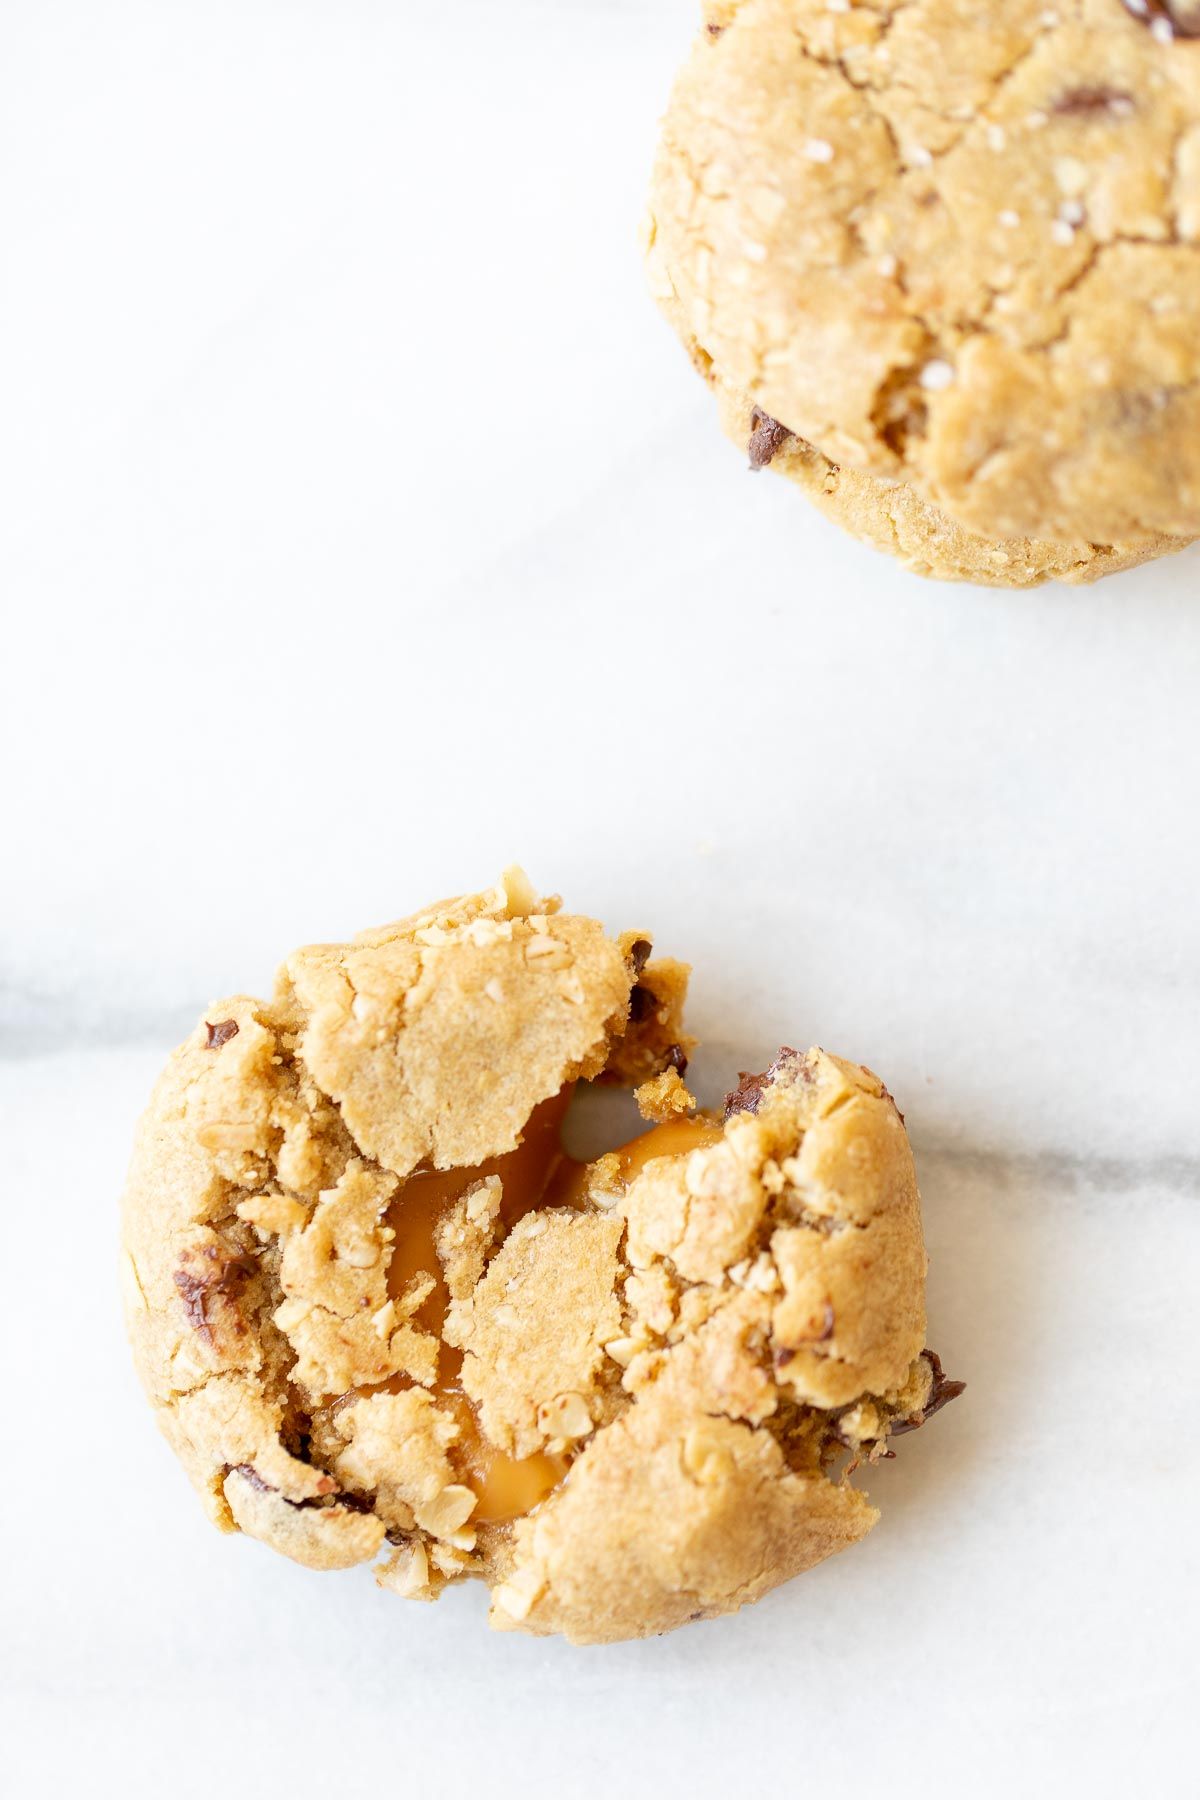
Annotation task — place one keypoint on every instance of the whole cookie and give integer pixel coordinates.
(941, 261)
(380, 1314)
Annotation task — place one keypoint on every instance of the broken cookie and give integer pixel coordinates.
(380, 1313)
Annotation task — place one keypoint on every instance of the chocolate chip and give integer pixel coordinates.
(355, 1503)
(677, 1059)
(944, 1390)
(318, 1502)
(714, 31)
(194, 1294)
(200, 1282)
(747, 1095)
(220, 1034)
(1180, 18)
(783, 1358)
(1093, 102)
(249, 1473)
(639, 954)
(941, 1392)
(767, 438)
(642, 1003)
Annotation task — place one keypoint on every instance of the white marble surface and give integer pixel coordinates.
(364, 529)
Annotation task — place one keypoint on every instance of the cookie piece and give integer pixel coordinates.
(966, 312)
(891, 516)
(379, 1311)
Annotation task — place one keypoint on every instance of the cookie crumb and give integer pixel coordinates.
(664, 1097)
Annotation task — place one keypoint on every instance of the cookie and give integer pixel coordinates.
(381, 1316)
(963, 313)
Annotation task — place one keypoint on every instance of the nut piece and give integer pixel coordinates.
(665, 1097)
(406, 1572)
(705, 1458)
(514, 1600)
(547, 952)
(566, 1416)
(446, 1514)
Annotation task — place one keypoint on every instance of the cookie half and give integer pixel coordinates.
(381, 1315)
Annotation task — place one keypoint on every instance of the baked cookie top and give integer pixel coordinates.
(380, 1313)
(955, 245)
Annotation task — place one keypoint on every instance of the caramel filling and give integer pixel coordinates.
(538, 1172)
(571, 1179)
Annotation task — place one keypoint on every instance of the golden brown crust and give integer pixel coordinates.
(415, 1037)
(891, 516)
(674, 1514)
